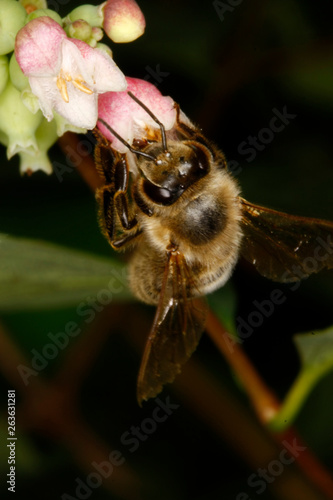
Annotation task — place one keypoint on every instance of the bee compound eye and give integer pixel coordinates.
(157, 194)
(200, 160)
(163, 195)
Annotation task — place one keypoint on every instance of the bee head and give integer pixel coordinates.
(167, 168)
(172, 171)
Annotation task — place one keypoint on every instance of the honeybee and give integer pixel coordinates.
(183, 215)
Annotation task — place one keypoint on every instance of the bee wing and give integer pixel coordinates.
(178, 325)
(285, 247)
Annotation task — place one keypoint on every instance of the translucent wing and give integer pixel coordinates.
(178, 325)
(285, 247)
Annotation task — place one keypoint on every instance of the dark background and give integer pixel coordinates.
(227, 75)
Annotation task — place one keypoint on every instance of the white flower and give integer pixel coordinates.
(65, 74)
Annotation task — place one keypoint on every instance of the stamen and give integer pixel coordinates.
(61, 84)
(77, 83)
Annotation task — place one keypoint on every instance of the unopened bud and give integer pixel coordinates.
(123, 20)
(79, 29)
(17, 122)
(3, 72)
(92, 14)
(97, 33)
(45, 12)
(12, 19)
(32, 5)
(105, 48)
(18, 79)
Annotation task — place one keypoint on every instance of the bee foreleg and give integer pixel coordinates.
(115, 219)
(120, 199)
(105, 158)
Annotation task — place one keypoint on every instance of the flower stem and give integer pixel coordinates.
(298, 392)
(267, 406)
(264, 401)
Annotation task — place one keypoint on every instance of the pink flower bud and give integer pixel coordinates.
(37, 46)
(128, 118)
(123, 20)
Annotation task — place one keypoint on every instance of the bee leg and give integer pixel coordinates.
(120, 199)
(105, 158)
(121, 242)
(114, 211)
(186, 131)
(116, 223)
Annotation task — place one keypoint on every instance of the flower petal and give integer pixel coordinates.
(68, 73)
(46, 136)
(30, 163)
(81, 110)
(106, 74)
(37, 47)
(128, 118)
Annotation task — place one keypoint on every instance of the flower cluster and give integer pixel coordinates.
(53, 70)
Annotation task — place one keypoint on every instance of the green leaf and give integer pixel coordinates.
(35, 275)
(316, 353)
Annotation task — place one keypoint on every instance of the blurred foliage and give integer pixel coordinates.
(228, 76)
(316, 353)
(37, 275)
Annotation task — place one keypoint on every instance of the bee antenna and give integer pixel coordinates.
(113, 132)
(164, 142)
